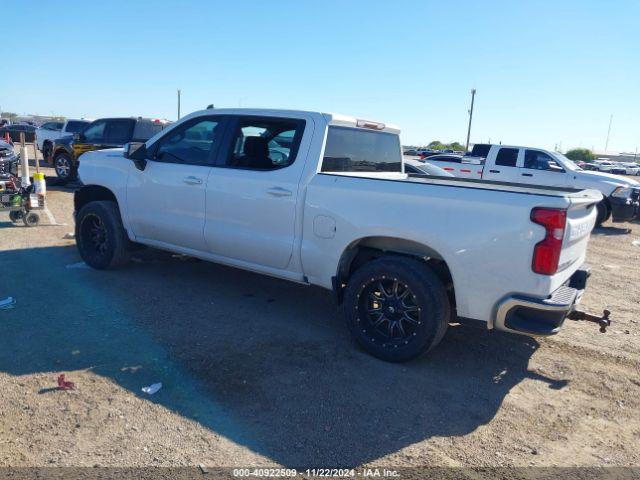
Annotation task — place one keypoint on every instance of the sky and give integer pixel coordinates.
(547, 73)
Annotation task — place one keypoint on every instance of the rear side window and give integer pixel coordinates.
(507, 157)
(118, 131)
(76, 127)
(144, 130)
(263, 143)
(355, 150)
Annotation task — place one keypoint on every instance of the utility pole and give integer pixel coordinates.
(606, 145)
(178, 104)
(473, 96)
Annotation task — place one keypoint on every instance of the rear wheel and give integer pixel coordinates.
(31, 219)
(396, 308)
(16, 215)
(64, 166)
(100, 236)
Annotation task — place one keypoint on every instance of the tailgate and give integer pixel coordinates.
(581, 218)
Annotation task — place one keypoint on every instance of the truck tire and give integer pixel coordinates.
(46, 151)
(396, 308)
(100, 236)
(604, 213)
(66, 169)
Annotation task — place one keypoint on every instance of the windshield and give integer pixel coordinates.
(565, 162)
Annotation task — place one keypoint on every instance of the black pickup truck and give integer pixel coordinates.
(99, 135)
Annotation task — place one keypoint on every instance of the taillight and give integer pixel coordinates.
(546, 254)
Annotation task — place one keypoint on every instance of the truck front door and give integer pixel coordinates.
(252, 193)
(540, 168)
(166, 200)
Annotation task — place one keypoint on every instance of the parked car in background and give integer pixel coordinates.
(8, 160)
(540, 167)
(420, 167)
(15, 129)
(399, 253)
(618, 168)
(411, 152)
(50, 131)
(632, 168)
(98, 135)
(427, 152)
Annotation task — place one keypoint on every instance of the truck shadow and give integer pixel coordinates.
(265, 363)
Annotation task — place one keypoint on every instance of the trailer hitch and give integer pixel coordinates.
(603, 320)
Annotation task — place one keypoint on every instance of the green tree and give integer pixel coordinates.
(580, 154)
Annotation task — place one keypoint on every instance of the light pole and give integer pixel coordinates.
(606, 145)
(473, 96)
(178, 104)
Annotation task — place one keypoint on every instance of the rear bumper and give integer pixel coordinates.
(535, 316)
(626, 209)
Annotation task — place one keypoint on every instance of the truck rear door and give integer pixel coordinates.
(502, 164)
(252, 192)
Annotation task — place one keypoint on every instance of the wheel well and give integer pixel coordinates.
(368, 249)
(92, 193)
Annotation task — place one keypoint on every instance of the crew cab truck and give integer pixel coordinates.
(621, 196)
(48, 132)
(323, 199)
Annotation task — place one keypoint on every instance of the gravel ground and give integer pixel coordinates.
(260, 372)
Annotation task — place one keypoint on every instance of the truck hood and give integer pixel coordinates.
(592, 179)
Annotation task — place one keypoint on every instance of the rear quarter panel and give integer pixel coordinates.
(485, 236)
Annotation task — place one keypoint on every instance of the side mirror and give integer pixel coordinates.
(76, 137)
(137, 152)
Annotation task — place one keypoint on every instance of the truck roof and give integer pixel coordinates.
(331, 118)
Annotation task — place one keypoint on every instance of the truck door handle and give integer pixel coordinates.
(191, 180)
(494, 171)
(279, 192)
(527, 174)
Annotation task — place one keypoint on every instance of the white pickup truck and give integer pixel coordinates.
(48, 132)
(323, 199)
(534, 166)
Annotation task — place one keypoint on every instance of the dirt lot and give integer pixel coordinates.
(257, 371)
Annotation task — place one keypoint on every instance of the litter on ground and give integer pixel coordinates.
(65, 385)
(7, 303)
(69, 235)
(151, 389)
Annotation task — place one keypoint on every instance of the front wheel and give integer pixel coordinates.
(100, 236)
(64, 166)
(603, 213)
(396, 308)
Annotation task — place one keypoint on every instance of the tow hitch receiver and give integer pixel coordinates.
(603, 321)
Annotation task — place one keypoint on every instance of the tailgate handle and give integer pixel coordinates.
(494, 171)
(527, 174)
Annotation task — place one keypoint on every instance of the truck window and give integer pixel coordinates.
(145, 129)
(537, 160)
(95, 132)
(355, 150)
(189, 144)
(75, 126)
(507, 157)
(265, 143)
(118, 131)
